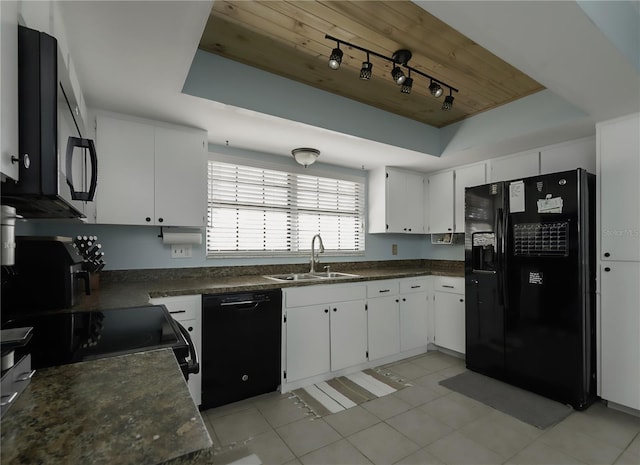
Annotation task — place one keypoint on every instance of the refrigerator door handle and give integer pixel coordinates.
(500, 255)
(504, 231)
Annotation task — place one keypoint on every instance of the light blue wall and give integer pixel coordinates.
(246, 87)
(139, 247)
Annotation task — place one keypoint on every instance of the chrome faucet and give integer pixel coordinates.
(314, 257)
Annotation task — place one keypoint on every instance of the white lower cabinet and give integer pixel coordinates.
(348, 328)
(323, 334)
(449, 318)
(383, 318)
(619, 333)
(413, 314)
(187, 310)
(307, 342)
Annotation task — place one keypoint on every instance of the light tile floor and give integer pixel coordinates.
(423, 424)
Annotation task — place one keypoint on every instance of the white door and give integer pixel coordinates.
(620, 333)
(449, 321)
(9, 88)
(126, 172)
(383, 325)
(619, 177)
(307, 339)
(441, 203)
(413, 320)
(348, 334)
(180, 178)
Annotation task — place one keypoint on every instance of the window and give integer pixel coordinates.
(257, 211)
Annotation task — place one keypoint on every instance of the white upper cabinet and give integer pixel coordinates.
(520, 165)
(440, 196)
(618, 178)
(150, 173)
(396, 201)
(9, 88)
(580, 153)
(468, 176)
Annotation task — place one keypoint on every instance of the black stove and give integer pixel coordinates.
(62, 338)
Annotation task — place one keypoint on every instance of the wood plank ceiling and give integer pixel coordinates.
(288, 38)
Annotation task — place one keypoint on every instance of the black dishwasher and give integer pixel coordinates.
(241, 348)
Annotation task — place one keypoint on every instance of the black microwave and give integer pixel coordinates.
(58, 167)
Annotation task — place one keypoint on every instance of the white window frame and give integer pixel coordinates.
(302, 249)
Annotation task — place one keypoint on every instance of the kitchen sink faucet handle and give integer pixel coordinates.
(327, 268)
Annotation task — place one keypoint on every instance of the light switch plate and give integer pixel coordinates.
(181, 251)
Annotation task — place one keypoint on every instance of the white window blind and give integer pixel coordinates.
(261, 211)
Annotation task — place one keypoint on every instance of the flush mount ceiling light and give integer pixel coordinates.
(399, 59)
(305, 156)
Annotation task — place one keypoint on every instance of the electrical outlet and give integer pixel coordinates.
(394, 249)
(180, 251)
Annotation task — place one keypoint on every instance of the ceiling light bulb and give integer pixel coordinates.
(435, 89)
(335, 58)
(406, 86)
(365, 71)
(305, 156)
(448, 103)
(397, 75)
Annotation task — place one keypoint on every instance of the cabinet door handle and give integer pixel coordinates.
(326, 310)
(177, 311)
(607, 254)
(190, 328)
(335, 309)
(607, 269)
(147, 219)
(9, 398)
(461, 300)
(416, 287)
(160, 220)
(447, 286)
(404, 300)
(384, 290)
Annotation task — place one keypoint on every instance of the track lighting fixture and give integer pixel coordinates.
(335, 58)
(435, 89)
(448, 102)
(399, 59)
(365, 71)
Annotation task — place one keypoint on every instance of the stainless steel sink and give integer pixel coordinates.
(310, 276)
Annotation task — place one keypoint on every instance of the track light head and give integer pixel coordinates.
(397, 75)
(448, 102)
(406, 85)
(435, 89)
(335, 58)
(365, 71)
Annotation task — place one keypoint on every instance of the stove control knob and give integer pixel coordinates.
(245, 377)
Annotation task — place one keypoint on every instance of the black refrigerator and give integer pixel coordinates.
(530, 284)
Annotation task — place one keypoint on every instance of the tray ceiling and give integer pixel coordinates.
(287, 38)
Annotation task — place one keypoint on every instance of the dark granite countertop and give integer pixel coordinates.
(132, 409)
(135, 287)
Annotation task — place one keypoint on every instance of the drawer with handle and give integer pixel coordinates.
(382, 288)
(14, 381)
(448, 284)
(411, 285)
